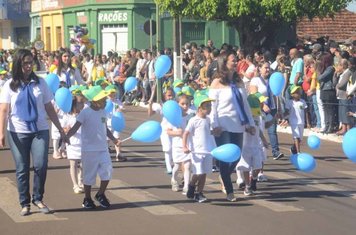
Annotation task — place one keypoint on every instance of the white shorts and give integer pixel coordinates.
(202, 164)
(96, 163)
(297, 131)
(251, 159)
(179, 156)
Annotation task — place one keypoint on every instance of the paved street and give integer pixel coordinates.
(291, 202)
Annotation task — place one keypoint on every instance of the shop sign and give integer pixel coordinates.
(112, 17)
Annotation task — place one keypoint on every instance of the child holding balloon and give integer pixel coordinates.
(115, 107)
(295, 108)
(179, 157)
(95, 155)
(198, 140)
(166, 140)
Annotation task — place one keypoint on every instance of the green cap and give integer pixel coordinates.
(95, 93)
(200, 98)
(178, 82)
(111, 88)
(187, 90)
(261, 97)
(2, 71)
(294, 88)
(100, 81)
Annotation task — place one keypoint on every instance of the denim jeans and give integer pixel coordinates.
(316, 111)
(227, 168)
(272, 135)
(23, 145)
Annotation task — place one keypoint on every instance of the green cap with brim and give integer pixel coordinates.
(111, 88)
(95, 93)
(187, 90)
(178, 82)
(100, 81)
(294, 89)
(199, 99)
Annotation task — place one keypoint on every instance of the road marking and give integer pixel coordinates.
(9, 204)
(314, 184)
(272, 205)
(352, 173)
(145, 200)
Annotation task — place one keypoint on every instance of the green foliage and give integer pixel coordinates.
(272, 10)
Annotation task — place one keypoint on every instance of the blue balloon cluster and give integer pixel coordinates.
(172, 112)
(118, 121)
(313, 142)
(349, 144)
(303, 162)
(63, 98)
(276, 83)
(130, 84)
(227, 153)
(162, 66)
(52, 81)
(147, 132)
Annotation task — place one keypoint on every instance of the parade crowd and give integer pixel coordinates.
(224, 95)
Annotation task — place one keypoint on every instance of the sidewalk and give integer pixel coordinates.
(307, 132)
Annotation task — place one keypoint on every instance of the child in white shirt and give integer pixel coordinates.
(198, 140)
(295, 108)
(179, 157)
(95, 155)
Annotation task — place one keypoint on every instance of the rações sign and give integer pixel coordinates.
(112, 17)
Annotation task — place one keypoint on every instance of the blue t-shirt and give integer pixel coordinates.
(298, 67)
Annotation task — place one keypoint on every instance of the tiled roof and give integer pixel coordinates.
(340, 28)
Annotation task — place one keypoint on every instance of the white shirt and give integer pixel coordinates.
(200, 139)
(75, 78)
(68, 121)
(43, 96)
(261, 86)
(93, 129)
(139, 66)
(223, 112)
(296, 111)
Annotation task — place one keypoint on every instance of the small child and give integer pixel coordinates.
(95, 155)
(166, 140)
(3, 77)
(198, 135)
(295, 108)
(117, 107)
(74, 149)
(252, 151)
(179, 157)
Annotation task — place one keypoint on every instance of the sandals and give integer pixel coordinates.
(42, 207)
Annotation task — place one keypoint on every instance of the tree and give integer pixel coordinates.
(253, 19)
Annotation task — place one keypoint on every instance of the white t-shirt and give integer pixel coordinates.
(75, 78)
(75, 147)
(296, 111)
(223, 112)
(43, 96)
(260, 84)
(93, 129)
(200, 139)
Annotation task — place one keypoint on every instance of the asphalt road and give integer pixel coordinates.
(291, 202)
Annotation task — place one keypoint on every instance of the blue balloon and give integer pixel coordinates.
(313, 142)
(147, 132)
(109, 106)
(349, 144)
(293, 160)
(130, 84)
(227, 153)
(305, 162)
(118, 121)
(177, 90)
(52, 81)
(276, 83)
(173, 113)
(63, 99)
(162, 66)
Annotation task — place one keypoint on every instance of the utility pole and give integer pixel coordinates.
(176, 47)
(158, 41)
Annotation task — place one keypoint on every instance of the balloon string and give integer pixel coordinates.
(126, 139)
(123, 97)
(203, 153)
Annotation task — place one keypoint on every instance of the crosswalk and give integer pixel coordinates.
(155, 204)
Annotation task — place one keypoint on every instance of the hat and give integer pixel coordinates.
(334, 45)
(77, 89)
(261, 97)
(294, 88)
(100, 81)
(95, 93)
(2, 71)
(202, 92)
(178, 82)
(200, 98)
(254, 103)
(187, 90)
(316, 47)
(111, 88)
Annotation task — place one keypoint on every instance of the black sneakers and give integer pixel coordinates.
(103, 201)
(253, 184)
(199, 197)
(278, 156)
(293, 149)
(190, 192)
(88, 204)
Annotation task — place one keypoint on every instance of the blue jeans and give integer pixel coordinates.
(272, 135)
(22, 145)
(227, 168)
(316, 111)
